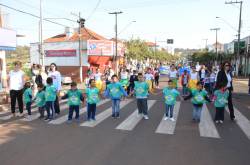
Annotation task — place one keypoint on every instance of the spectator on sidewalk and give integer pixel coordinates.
(16, 79)
(57, 83)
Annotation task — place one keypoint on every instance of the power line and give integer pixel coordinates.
(30, 14)
(94, 10)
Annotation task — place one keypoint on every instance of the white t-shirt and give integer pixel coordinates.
(57, 79)
(229, 79)
(16, 80)
(203, 72)
(194, 76)
(212, 77)
(173, 74)
(149, 76)
(124, 75)
(98, 76)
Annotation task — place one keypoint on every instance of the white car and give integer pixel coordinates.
(66, 80)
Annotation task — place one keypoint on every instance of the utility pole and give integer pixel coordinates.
(41, 48)
(81, 23)
(116, 40)
(216, 44)
(155, 47)
(205, 43)
(239, 31)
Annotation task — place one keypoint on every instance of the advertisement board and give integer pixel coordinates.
(60, 53)
(100, 47)
(7, 39)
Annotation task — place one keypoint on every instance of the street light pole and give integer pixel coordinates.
(239, 31)
(216, 43)
(116, 40)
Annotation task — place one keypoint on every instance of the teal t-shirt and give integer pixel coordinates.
(170, 95)
(199, 96)
(221, 98)
(141, 89)
(40, 99)
(27, 93)
(92, 95)
(50, 93)
(74, 97)
(115, 90)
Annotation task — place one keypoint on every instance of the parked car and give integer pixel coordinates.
(66, 80)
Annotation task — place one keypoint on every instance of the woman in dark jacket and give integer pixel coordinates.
(224, 76)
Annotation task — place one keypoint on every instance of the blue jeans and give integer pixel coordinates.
(169, 110)
(50, 108)
(28, 107)
(184, 89)
(91, 111)
(73, 108)
(115, 107)
(197, 112)
(142, 105)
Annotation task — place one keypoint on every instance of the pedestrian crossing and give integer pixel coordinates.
(130, 123)
(206, 128)
(242, 122)
(64, 118)
(168, 127)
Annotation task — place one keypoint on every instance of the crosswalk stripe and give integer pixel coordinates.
(35, 109)
(35, 116)
(130, 123)
(168, 127)
(104, 115)
(242, 122)
(206, 126)
(64, 118)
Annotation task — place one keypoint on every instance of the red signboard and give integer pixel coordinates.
(60, 53)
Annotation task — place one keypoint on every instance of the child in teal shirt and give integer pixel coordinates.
(40, 100)
(220, 101)
(50, 98)
(170, 94)
(141, 90)
(199, 97)
(115, 91)
(28, 98)
(93, 97)
(74, 97)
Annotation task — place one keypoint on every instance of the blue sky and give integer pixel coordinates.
(188, 22)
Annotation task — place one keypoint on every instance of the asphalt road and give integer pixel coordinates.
(128, 140)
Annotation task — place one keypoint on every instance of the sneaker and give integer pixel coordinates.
(172, 119)
(166, 118)
(41, 117)
(20, 115)
(217, 121)
(146, 117)
(46, 119)
(221, 121)
(139, 114)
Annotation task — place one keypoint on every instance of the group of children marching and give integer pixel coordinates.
(46, 97)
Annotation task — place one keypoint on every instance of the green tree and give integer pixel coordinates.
(138, 49)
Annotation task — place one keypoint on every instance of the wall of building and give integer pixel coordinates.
(60, 61)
